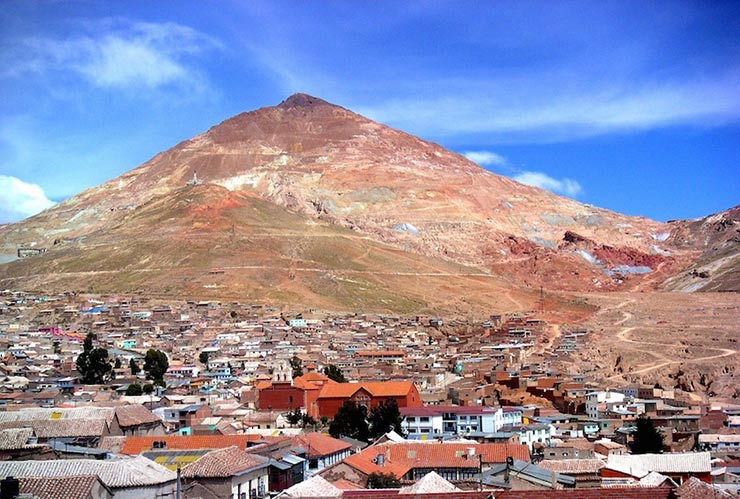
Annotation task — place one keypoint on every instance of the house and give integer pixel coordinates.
(602, 493)
(455, 420)
(719, 442)
(597, 401)
(135, 420)
(286, 472)
(22, 443)
(412, 460)
(136, 445)
(73, 487)
(179, 416)
(585, 472)
(523, 475)
(322, 450)
(370, 394)
(282, 394)
(135, 478)
(679, 466)
(228, 473)
(534, 435)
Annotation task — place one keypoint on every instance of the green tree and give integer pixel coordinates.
(203, 357)
(93, 364)
(334, 373)
(382, 481)
(118, 363)
(147, 388)
(294, 417)
(384, 418)
(135, 369)
(155, 364)
(647, 438)
(134, 389)
(350, 421)
(295, 363)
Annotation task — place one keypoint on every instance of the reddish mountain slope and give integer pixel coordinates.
(325, 162)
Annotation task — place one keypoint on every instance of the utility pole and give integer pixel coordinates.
(178, 488)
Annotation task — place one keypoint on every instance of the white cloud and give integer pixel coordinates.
(518, 107)
(119, 54)
(19, 199)
(486, 158)
(566, 186)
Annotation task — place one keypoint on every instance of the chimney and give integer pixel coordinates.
(9, 488)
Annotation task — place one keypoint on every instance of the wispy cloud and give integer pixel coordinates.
(486, 158)
(118, 54)
(19, 199)
(506, 108)
(566, 186)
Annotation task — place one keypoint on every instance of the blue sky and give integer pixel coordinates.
(631, 106)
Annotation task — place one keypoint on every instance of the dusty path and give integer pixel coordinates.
(664, 361)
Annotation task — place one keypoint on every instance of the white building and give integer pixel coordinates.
(456, 420)
(594, 399)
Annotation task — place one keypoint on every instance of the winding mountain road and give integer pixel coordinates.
(663, 360)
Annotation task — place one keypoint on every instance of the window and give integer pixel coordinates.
(424, 419)
(313, 464)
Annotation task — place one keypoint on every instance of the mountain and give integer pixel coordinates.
(717, 240)
(206, 241)
(380, 195)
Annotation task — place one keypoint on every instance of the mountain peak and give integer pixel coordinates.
(302, 100)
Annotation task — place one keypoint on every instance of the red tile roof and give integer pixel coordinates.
(223, 463)
(399, 458)
(318, 444)
(136, 445)
(67, 487)
(693, 488)
(380, 353)
(134, 415)
(376, 389)
(602, 493)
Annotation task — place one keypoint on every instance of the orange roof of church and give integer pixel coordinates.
(376, 389)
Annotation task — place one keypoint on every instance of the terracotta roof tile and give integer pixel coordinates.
(137, 445)
(224, 463)
(685, 462)
(115, 473)
(573, 466)
(376, 389)
(693, 488)
(399, 458)
(72, 487)
(134, 415)
(318, 444)
(60, 428)
(601, 493)
(14, 438)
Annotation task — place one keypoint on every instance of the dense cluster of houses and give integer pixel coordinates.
(482, 415)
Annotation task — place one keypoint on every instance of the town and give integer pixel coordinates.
(116, 396)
